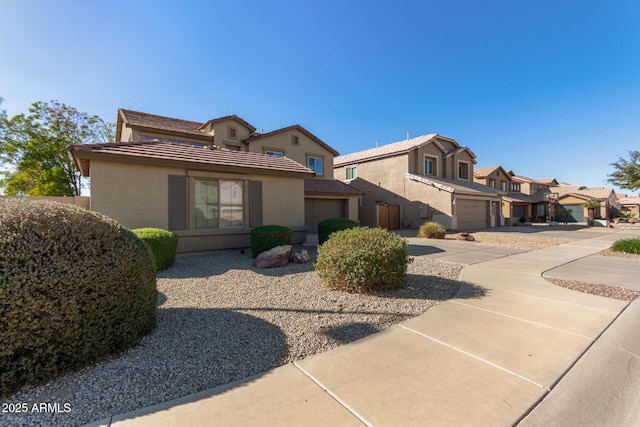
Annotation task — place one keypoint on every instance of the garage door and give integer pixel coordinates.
(316, 210)
(577, 213)
(472, 214)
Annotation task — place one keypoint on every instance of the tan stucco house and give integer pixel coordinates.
(573, 197)
(212, 182)
(426, 178)
(630, 203)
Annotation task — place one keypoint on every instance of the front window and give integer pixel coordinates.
(218, 203)
(503, 185)
(463, 170)
(492, 183)
(515, 187)
(352, 172)
(233, 133)
(429, 166)
(273, 153)
(315, 164)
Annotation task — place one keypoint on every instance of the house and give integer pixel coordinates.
(574, 197)
(426, 178)
(629, 203)
(212, 182)
(525, 198)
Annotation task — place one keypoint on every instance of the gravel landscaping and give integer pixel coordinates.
(220, 320)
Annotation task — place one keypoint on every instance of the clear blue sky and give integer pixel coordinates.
(545, 88)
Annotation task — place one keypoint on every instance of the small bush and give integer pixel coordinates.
(163, 244)
(363, 260)
(266, 237)
(432, 230)
(75, 287)
(630, 246)
(331, 225)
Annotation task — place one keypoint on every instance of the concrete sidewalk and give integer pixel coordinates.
(488, 357)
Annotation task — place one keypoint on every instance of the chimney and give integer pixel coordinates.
(408, 135)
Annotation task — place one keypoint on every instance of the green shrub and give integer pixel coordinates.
(630, 246)
(163, 244)
(432, 230)
(266, 237)
(75, 287)
(363, 259)
(331, 225)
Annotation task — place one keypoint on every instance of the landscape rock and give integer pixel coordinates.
(301, 257)
(274, 257)
(465, 236)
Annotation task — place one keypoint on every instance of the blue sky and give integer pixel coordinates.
(545, 88)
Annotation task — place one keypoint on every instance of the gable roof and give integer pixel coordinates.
(225, 118)
(387, 150)
(629, 200)
(456, 186)
(184, 155)
(290, 128)
(154, 122)
(600, 193)
(329, 186)
(488, 170)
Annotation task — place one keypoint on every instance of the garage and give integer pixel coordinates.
(316, 210)
(472, 214)
(577, 213)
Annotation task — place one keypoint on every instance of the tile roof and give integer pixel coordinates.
(333, 186)
(231, 117)
(184, 155)
(289, 128)
(591, 193)
(629, 200)
(526, 198)
(484, 171)
(385, 150)
(455, 186)
(152, 121)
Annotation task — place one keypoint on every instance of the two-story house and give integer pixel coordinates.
(212, 182)
(426, 178)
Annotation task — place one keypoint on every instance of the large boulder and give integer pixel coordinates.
(274, 257)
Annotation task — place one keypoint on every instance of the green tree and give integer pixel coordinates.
(35, 146)
(626, 173)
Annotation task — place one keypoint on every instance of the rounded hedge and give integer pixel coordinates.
(267, 237)
(163, 244)
(75, 287)
(331, 225)
(432, 230)
(363, 259)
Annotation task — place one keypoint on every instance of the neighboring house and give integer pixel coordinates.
(168, 173)
(426, 178)
(525, 198)
(573, 197)
(629, 203)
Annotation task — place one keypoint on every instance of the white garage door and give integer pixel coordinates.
(316, 210)
(472, 214)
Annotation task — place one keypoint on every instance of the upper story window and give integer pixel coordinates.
(492, 183)
(274, 153)
(153, 138)
(515, 186)
(430, 165)
(232, 147)
(503, 185)
(463, 170)
(175, 141)
(295, 140)
(232, 132)
(352, 172)
(315, 164)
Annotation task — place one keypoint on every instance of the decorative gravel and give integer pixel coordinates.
(511, 240)
(220, 320)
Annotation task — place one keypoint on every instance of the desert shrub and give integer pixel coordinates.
(432, 230)
(331, 225)
(163, 244)
(630, 246)
(75, 287)
(363, 259)
(266, 237)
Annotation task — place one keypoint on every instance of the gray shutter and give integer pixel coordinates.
(178, 203)
(255, 203)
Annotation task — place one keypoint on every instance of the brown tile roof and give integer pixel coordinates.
(290, 128)
(600, 193)
(184, 155)
(152, 121)
(385, 150)
(231, 117)
(488, 170)
(330, 186)
(456, 186)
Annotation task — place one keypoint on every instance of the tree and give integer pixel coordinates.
(591, 206)
(35, 145)
(626, 173)
(565, 214)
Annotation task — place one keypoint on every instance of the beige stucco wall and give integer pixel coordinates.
(306, 147)
(138, 135)
(221, 134)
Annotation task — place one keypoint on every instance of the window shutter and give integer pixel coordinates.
(255, 203)
(178, 202)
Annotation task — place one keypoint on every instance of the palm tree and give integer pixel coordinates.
(564, 213)
(591, 206)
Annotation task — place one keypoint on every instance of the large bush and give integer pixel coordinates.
(331, 225)
(163, 244)
(432, 230)
(266, 237)
(363, 259)
(630, 246)
(75, 286)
